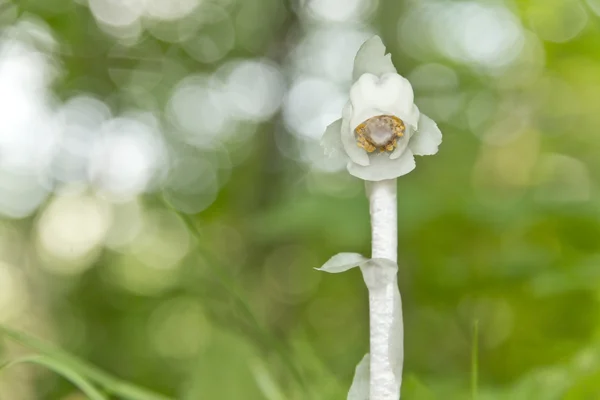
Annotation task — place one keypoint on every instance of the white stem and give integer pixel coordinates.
(385, 308)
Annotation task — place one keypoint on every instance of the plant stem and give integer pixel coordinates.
(385, 308)
(475, 361)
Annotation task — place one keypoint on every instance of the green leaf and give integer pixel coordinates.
(111, 384)
(81, 383)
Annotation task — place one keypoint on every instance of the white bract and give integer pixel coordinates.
(381, 129)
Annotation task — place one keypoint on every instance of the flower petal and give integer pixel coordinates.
(401, 147)
(427, 138)
(390, 94)
(413, 119)
(371, 58)
(343, 262)
(355, 153)
(411, 126)
(383, 167)
(332, 139)
(359, 390)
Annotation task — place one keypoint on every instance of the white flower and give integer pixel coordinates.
(381, 129)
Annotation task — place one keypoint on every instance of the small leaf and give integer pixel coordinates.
(81, 383)
(359, 390)
(343, 262)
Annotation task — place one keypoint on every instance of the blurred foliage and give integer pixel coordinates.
(199, 283)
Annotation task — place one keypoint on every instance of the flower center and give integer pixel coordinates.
(381, 132)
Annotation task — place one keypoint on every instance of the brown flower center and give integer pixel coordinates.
(381, 132)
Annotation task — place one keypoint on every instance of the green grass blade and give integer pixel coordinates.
(81, 383)
(229, 283)
(475, 362)
(111, 384)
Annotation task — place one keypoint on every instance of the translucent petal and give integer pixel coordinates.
(355, 153)
(403, 142)
(427, 138)
(383, 167)
(332, 139)
(390, 94)
(343, 262)
(359, 390)
(371, 58)
(401, 147)
(413, 119)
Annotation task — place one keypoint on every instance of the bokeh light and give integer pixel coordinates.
(72, 229)
(179, 329)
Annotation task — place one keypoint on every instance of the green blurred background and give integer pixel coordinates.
(164, 199)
